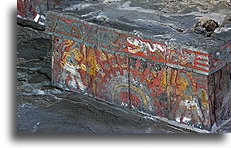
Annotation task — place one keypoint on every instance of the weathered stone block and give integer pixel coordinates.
(146, 59)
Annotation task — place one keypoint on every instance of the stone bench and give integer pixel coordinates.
(162, 61)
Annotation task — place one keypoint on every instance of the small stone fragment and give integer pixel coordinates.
(205, 26)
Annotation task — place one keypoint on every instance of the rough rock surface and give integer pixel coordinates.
(50, 114)
(167, 19)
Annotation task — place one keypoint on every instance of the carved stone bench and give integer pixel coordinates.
(171, 64)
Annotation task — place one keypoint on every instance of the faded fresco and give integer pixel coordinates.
(130, 71)
(188, 85)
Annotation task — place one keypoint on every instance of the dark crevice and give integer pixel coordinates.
(31, 24)
(45, 74)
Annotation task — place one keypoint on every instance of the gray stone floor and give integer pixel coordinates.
(41, 108)
(74, 113)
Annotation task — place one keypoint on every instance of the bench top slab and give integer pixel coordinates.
(162, 21)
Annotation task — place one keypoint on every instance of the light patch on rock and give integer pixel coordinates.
(214, 16)
(111, 1)
(78, 7)
(222, 29)
(101, 17)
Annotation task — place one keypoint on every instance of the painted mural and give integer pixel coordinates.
(147, 86)
(129, 71)
(132, 45)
